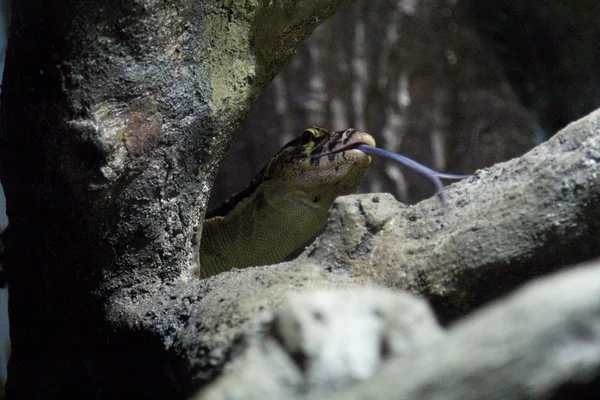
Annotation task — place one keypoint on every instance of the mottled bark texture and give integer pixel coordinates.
(540, 342)
(115, 116)
(506, 224)
(414, 74)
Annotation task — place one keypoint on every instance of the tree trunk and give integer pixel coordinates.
(115, 117)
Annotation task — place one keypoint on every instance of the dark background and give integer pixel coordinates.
(455, 85)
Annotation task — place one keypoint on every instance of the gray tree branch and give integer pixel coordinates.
(526, 217)
(507, 223)
(115, 117)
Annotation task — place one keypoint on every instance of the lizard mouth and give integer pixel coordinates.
(348, 147)
(342, 149)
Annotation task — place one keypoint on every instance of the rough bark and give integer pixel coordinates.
(115, 116)
(541, 342)
(506, 224)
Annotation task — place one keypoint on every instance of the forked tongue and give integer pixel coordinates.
(433, 175)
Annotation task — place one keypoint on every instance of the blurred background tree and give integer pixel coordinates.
(457, 85)
(550, 53)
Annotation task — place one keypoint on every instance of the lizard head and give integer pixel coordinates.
(319, 158)
(318, 164)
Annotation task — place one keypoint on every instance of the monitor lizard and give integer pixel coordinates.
(286, 203)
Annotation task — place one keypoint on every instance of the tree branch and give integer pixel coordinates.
(479, 248)
(114, 120)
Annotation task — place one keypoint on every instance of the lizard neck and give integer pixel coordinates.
(266, 227)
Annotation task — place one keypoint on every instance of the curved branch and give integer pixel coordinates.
(525, 217)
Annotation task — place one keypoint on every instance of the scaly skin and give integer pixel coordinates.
(286, 203)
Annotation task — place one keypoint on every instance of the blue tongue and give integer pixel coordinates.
(412, 164)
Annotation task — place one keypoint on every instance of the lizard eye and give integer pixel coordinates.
(306, 137)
